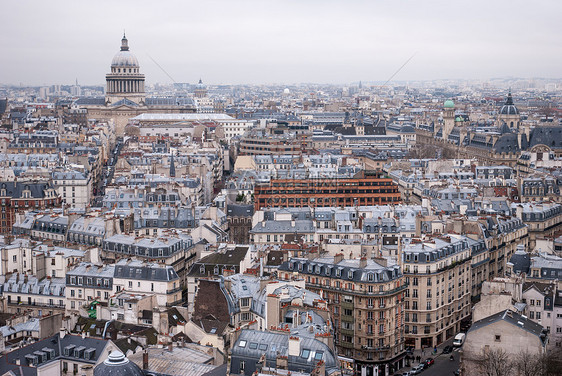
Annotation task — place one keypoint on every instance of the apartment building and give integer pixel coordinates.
(16, 197)
(177, 251)
(74, 188)
(88, 282)
(34, 296)
(136, 276)
(543, 219)
(366, 300)
(438, 275)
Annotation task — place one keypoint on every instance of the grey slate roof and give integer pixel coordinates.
(144, 271)
(252, 344)
(512, 318)
(52, 348)
(348, 269)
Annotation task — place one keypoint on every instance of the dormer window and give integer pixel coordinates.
(350, 274)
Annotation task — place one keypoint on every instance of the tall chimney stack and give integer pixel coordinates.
(145, 360)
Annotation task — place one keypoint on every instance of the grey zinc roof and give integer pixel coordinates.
(69, 175)
(349, 269)
(89, 269)
(300, 226)
(31, 325)
(57, 346)
(257, 343)
(46, 286)
(139, 270)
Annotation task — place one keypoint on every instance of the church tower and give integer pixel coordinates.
(125, 83)
(448, 118)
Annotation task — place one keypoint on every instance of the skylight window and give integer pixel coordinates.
(242, 343)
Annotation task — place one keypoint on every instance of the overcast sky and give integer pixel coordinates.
(284, 41)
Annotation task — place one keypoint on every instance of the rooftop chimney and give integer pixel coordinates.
(294, 346)
(62, 333)
(338, 258)
(145, 360)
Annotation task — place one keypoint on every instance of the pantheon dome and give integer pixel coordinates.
(125, 83)
(125, 58)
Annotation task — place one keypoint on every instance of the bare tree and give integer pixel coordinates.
(494, 363)
(527, 364)
(552, 362)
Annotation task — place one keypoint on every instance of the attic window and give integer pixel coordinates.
(305, 353)
(242, 343)
(318, 355)
(253, 345)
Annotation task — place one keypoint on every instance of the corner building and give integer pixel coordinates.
(366, 301)
(438, 274)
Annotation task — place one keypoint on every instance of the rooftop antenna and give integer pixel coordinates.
(163, 70)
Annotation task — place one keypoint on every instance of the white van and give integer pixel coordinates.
(459, 340)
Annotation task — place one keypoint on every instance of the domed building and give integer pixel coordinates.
(117, 364)
(509, 114)
(125, 82)
(200, 90)
(125, 95)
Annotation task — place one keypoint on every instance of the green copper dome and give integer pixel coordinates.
(449, 104)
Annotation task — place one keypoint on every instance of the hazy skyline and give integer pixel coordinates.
(237, 42)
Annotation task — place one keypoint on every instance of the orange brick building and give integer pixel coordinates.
(364, 189)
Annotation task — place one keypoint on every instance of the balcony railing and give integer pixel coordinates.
(171, 304)
(173, 290)
(62, 306)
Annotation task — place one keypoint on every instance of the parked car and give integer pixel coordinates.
(418, 369)
(457, 372)
(429, 361)
(447, 349)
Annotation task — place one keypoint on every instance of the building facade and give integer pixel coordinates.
(438, 274)
(366, 299)
(366, 188)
